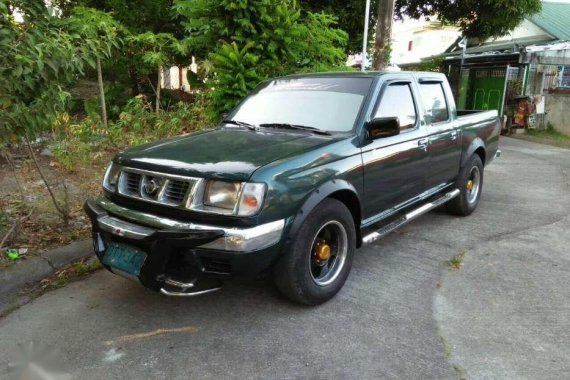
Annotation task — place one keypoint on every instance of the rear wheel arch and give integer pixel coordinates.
(469, 183)
(477, 147)
(481, 153)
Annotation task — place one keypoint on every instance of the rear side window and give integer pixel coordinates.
(398, 101)
(434, 102)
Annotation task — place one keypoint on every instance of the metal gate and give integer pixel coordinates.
(489, 88)
(463, 89)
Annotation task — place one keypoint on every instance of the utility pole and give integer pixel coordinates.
(365, 39)
(383, 33)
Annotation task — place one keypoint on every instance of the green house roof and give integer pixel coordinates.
(554, 19)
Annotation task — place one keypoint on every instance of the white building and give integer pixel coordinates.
(413, 40)
(175, 77)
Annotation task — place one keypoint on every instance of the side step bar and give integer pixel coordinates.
(385, 230)
(185, 288)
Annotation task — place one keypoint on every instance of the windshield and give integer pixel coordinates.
(328, 104)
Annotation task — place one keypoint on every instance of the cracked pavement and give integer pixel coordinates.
(402, 313)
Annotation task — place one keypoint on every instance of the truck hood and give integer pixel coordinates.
(221, 153)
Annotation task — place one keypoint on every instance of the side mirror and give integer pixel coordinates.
(382, 127)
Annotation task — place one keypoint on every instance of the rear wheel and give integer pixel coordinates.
(470, 184)
(319, 261)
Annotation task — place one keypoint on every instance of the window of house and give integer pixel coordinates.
(398, 101)
(410, 45)
(434, 101)
(565, 77)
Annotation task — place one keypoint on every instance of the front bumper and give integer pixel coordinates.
(184, 251)
(231, 239)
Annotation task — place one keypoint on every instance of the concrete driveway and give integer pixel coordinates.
(402, 314)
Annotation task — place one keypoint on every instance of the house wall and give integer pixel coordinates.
(413, 40)
(557, 109)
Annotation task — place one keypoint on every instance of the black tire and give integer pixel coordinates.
(470, 193)
(299, 274)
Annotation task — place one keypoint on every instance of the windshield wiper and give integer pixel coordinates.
(295, 127)
(241, 124)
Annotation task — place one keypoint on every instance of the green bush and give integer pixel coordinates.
(78, 143)
(71, 154)
(138, 123)
(248, 41)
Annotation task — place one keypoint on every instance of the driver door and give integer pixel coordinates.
(394, 167)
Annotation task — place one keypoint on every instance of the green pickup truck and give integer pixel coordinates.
(302, 173)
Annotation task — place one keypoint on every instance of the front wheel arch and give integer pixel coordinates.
(340, 190)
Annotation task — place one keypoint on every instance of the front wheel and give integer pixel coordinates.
(470, 184)
(319, 261)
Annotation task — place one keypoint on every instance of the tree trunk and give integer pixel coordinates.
(383, 33)
(63, 210)
(102, 93)
(135, 90)
(158, 85)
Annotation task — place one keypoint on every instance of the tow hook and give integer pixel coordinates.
(175, 288)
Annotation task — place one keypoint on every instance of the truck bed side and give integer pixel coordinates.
(480, 130)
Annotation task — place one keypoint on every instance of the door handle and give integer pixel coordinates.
(454, 135)
(423, 144)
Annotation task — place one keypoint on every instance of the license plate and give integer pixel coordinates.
(124, 257)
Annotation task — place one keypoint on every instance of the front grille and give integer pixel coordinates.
(175, 191)
(165, 189)
(132, 183)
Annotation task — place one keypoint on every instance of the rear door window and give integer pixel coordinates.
(398, 101)
(435, 103)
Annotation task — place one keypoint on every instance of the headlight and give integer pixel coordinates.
(241, 199)
(111, 177)
(222, 194)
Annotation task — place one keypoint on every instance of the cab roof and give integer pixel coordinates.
(356, 74)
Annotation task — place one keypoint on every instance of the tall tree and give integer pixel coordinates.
(138, 17)
(101, 28)
(383, 34)
(478, 19)
(349, 15)
(158, 50)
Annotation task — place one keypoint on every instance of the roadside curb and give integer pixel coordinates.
(15, 279)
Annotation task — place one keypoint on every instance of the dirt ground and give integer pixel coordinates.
(23, 193)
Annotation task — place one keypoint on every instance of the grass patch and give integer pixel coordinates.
(548, 136)
(71, 273)
(456, 262)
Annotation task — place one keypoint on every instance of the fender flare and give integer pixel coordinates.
(475, 144)
(316, 197)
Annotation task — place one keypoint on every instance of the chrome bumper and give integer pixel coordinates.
(234, 239)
